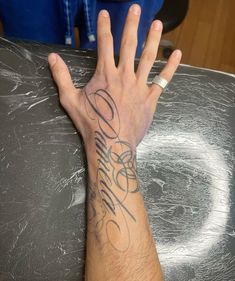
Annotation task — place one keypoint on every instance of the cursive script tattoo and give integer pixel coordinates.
(116, 177)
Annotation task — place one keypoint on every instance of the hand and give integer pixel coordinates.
(117, 100)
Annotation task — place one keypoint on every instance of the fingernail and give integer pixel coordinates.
(52, 58)
(177, 54)
(104, 13)
(157, 25)
(135, 9)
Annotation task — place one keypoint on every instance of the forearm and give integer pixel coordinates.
(113, 112)
(120, 245)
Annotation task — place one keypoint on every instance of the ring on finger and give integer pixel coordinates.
(161, 82)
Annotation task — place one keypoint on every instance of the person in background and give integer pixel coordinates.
(53, 21)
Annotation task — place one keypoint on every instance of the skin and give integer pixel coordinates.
(113, 113)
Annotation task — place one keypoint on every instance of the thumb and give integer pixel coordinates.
(61, 75)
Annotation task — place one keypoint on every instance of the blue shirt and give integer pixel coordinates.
(52, 21)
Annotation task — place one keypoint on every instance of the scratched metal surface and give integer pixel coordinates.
(186, 168)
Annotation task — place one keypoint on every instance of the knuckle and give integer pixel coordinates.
(149, 56)
(63, 97)
(127, 77)
(105, 36)
(132, 22)
(62, 85)
(129, 42)
(59, 73)
(63, 100)
(68, 104)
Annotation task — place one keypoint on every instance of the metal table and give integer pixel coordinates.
(185, 164)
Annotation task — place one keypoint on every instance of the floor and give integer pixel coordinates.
(207, 35)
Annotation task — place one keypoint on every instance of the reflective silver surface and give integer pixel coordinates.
(185, 165)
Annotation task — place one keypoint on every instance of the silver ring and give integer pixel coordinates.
(161, 82)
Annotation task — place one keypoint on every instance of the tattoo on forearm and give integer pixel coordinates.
(116, 177)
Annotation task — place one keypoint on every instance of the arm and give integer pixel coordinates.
(113, 112)
(119, 241)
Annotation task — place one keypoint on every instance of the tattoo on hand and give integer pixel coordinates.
(116, 177)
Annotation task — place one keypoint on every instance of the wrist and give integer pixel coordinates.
(94, 138)
(109, 155)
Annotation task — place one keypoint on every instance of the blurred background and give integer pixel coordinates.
(207, 35)
(203, 29)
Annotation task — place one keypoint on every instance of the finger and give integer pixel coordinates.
(104, 41)
(149, 53)
(129, 38)
(60, 74)
(168, 71)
